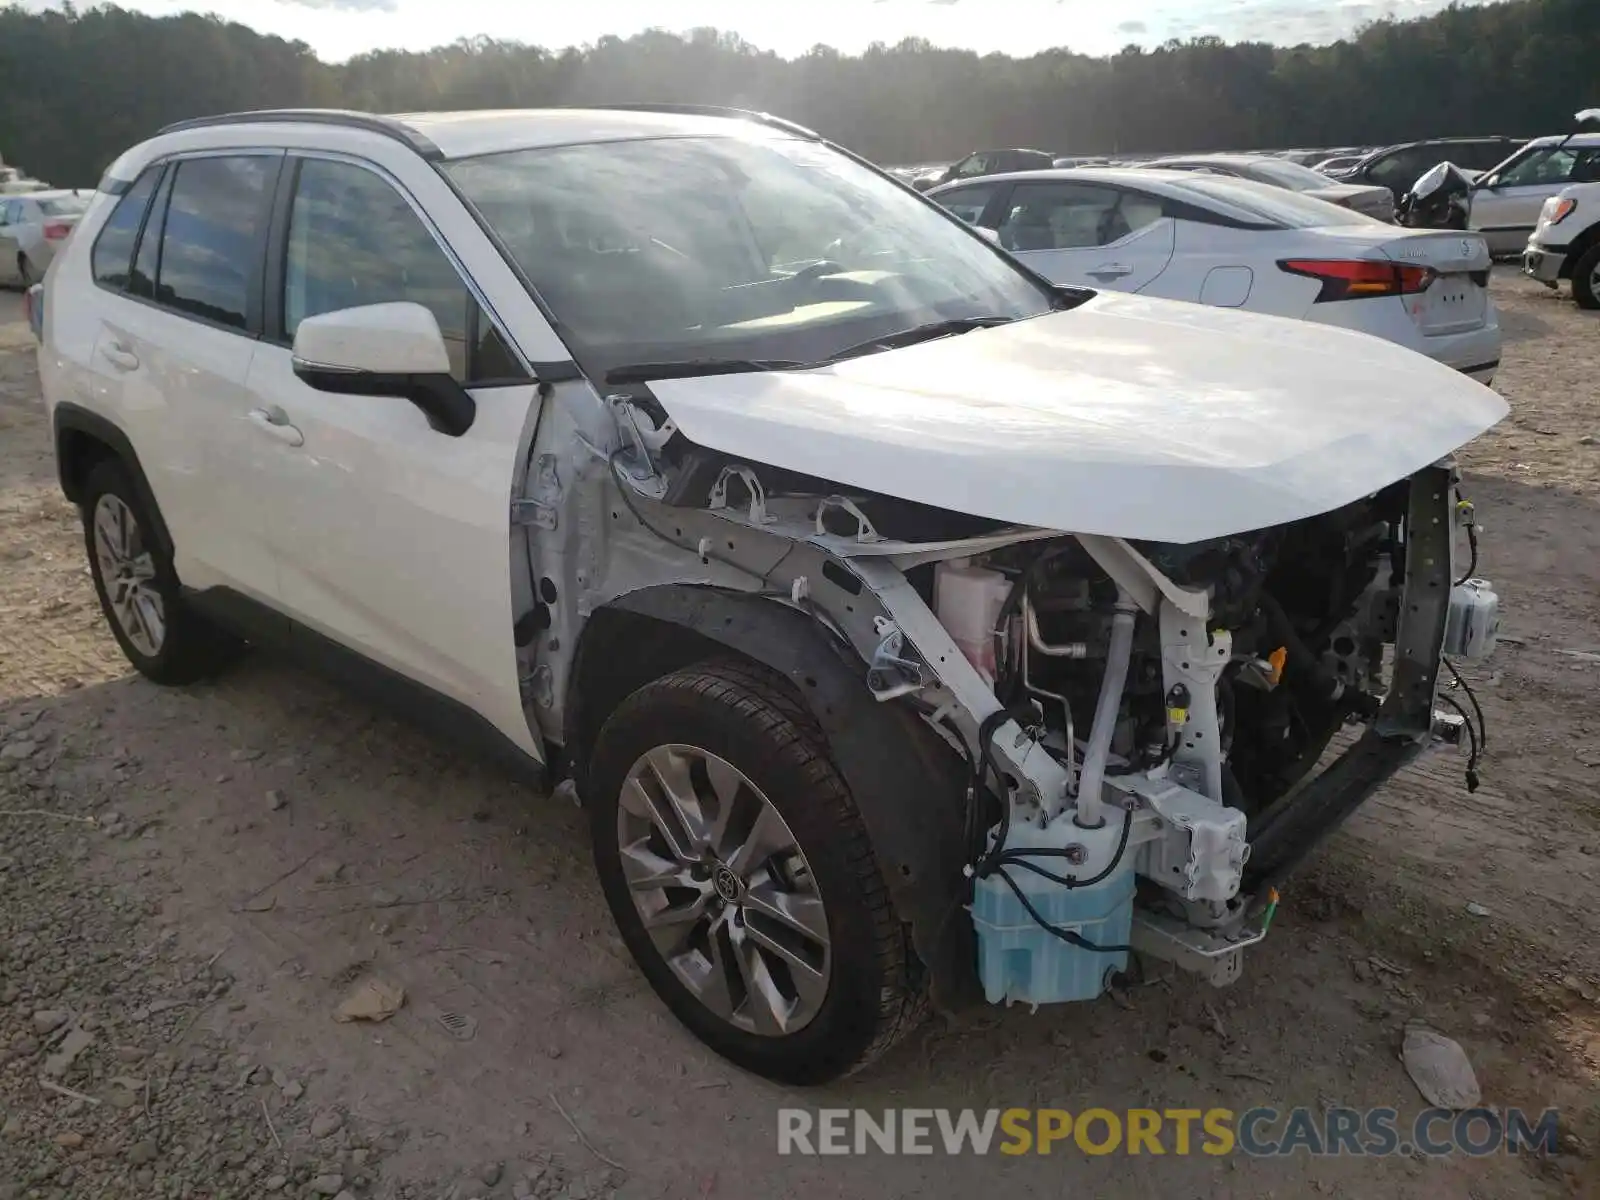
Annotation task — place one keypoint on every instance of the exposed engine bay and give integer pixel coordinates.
(1141, 723)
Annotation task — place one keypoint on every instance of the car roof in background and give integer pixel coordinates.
(1241, 199)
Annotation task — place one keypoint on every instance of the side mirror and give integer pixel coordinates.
(384, 350)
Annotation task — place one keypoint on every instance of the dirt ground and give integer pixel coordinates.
(262, 844)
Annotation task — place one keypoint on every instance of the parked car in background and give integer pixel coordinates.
(1336, 164)
(986, 162)
(1506, 200)
(1280, 173)
(1233, 243)
(33, 227)
(1398, 167)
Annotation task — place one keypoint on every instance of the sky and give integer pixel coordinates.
(338, 29)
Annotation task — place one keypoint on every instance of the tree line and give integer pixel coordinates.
(79, 86)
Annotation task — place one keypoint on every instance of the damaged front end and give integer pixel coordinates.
(1135, 728)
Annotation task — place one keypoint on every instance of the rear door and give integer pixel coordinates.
(393, 539)
(176, 333)
(1088, 234)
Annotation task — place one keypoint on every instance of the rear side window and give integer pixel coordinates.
(210, 243)
(113, 249)
(1072, 216)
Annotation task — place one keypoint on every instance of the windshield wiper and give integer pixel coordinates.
(920, 333)
(688, 368)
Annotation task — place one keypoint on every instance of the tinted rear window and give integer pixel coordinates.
(211, 242)
(113, 249)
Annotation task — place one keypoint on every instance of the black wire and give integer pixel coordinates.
(1472, 743)
(980, 780)
(1483, 729)
(1019, 858)
(1066, 935)
(1472, 540)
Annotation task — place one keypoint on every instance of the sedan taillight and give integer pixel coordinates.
(1358, 279)
(56, 231)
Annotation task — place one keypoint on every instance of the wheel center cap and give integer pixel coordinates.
(726, 883)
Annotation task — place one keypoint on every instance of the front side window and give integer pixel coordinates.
(753, 247)
(1543, 165)
(973, 164)
(968, 203)
(354, 240)
(113, 249)
(1073, 216)
(210, 243)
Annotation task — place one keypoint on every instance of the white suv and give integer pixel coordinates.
(806, 528)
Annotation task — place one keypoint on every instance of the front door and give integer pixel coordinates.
(1088, 234)
(393, 539)
(1506, 204)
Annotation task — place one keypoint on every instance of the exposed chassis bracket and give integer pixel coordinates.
(1215, 957)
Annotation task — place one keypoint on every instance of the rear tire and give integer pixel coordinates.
(741, 747)
(25, 272)
(166, 640)
(1586, 279)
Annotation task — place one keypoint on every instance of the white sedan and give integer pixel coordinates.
(1231, 243)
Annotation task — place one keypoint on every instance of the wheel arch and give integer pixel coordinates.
(909, 785)
(1579, 246)
(83, 440)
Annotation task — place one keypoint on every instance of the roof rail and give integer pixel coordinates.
(349, 119)
(710, 110)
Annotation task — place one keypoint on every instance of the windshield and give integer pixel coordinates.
(1284, 209)
(63, 206)
(1288, 175)
(675, 249)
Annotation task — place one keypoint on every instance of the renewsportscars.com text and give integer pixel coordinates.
(1258, 1132)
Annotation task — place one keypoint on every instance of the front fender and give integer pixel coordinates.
(908, 784)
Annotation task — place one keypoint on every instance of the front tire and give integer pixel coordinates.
(1586, 279)
(742, 878)
(165, 639)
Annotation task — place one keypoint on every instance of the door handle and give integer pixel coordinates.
(275, 422)
(121, 356)
(1111, 271)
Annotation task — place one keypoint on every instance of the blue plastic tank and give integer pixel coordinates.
(1020, 961)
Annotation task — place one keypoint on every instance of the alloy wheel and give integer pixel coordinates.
(723, 890)
(128, 574)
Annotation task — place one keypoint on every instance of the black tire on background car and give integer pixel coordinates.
(25, 272)
(742, 878)
(1586, 278)
(162, 636)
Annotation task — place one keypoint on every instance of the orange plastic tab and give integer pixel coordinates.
(1277, 659)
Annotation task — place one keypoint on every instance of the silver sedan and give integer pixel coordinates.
(33, 226)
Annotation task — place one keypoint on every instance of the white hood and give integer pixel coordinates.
(1130, 417)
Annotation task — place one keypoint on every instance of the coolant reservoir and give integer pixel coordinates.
(967, 600)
